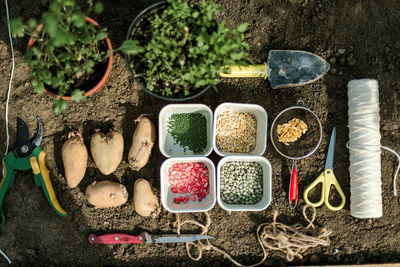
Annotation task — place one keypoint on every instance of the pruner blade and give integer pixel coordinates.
(24, 145)
(39, 134)
(22, 132)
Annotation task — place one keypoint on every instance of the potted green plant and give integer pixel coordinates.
(69, 56)
(181, 49)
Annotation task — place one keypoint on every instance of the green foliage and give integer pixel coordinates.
(66, 50)
(187, 49)
(131, 47)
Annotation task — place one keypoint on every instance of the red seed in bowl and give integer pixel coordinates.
(189, 178)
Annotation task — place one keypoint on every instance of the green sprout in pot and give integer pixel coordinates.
(66, 50)
(180, 48)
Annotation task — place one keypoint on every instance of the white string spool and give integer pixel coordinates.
(365, 149)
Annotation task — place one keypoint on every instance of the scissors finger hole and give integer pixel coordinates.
(334, 197)
(314, 195)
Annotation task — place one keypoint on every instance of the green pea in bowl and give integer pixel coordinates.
(244, 183)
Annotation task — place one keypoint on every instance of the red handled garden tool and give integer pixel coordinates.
(120, 238)
(284, 68)
(28, 155)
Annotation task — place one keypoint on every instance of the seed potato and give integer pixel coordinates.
(145, 201)
(107, 150)
(74, 156)
(106, 194)
(142, 142)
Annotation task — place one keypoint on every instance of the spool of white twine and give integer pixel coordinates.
(365, 149)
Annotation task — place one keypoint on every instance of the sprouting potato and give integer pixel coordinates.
(145, 201)
(107, 150)
(74, 156)
(106, 194)
(142, 142)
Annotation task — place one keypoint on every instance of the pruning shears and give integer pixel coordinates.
(28, 155)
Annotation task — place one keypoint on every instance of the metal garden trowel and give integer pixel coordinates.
(284, 68)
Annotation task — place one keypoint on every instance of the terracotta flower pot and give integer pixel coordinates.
(103, 80)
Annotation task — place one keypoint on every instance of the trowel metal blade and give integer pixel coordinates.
(288, 68)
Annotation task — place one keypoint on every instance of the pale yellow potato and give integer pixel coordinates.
(142, 142)
(145, 201)
(106, 194)
(74, 156)
(107, 150)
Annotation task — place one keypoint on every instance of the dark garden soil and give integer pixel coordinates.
(360, 39)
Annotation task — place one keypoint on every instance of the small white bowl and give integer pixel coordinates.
(262, 121)
(167, 143)
(167, 197)
(267, 184)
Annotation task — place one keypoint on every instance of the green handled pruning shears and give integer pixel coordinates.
(327, 178)
(28, 155)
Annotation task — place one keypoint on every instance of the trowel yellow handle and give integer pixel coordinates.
(250, 71)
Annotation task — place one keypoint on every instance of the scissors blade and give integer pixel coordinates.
(331, 150)
(178, 238)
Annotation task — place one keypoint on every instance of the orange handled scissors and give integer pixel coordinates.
(327, 178)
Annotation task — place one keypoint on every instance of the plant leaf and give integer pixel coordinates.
(100, 36)
(88, 66)
(78, 18)
(68, 3)
(78, 95)
(98, 8)
(50, 23)
(32, 24)
(17, 27)
(56, 81)
(38, 87)
(131, 47)
(59, 105)
(243, 27)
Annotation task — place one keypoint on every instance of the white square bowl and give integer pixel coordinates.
(267, 184)
(261, 134)
(167, 143)
(167, 197)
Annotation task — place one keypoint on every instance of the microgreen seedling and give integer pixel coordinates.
(184, 49)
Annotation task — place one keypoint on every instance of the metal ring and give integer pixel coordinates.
(320, 132)
(300, 102)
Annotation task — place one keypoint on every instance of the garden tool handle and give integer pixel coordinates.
(250, 71)
(42, 178)
(293, 189)
(6, 182)
(330, 179)
(117, 238)
(320, 179)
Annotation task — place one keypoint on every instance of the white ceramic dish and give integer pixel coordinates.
(262, 121)
(267, 184)
(167, 197)
(166, 142)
